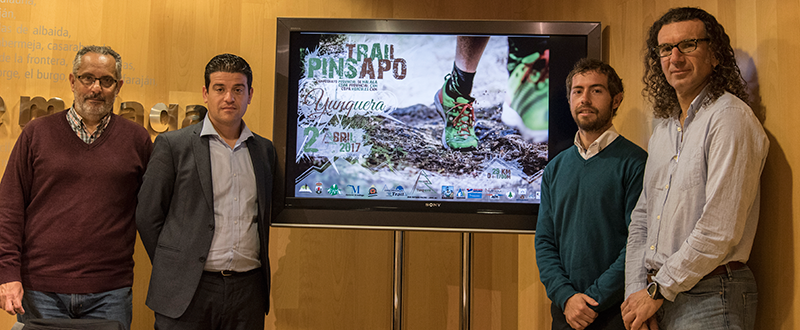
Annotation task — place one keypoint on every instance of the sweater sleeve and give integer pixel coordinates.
(609, 287)
(15, 189)
(551, 272)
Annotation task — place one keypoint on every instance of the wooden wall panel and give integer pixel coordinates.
(432, 279)
(330, 279)
(341, 279)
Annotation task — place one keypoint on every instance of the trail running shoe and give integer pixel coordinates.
(459, 118)
(526, 106)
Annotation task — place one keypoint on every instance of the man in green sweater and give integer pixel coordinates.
(588, 192)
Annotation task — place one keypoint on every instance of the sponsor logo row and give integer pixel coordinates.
(447, 192)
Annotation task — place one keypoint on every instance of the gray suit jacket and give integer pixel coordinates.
(175, 214)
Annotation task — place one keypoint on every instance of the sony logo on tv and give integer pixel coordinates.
(162, 118)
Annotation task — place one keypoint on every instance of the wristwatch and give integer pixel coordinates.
(653, 291)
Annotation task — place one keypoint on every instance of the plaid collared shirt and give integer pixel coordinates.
(76, 122)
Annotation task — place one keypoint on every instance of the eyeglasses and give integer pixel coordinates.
(89, 80)
(686, 46)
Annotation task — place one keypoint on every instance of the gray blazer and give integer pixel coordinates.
(175, 214)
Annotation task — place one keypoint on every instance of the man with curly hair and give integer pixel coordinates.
(693, 227)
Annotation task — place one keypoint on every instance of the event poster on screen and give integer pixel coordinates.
(367, 126)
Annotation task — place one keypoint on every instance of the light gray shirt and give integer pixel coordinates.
(235, 244)
(700, 200)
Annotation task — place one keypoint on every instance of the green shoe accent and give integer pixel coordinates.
(459, 117)
(527, 106)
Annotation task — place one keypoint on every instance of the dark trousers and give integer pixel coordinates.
(222, 303)
(609, 319)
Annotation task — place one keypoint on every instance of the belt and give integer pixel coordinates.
(226, 273)
(720, 270)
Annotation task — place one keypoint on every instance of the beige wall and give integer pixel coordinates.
(341, 279)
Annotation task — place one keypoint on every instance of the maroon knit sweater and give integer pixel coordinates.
(67, 207)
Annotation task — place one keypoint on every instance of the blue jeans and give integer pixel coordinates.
(110, 305)
(721, 302)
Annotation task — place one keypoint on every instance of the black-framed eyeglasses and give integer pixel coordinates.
(89, 80)
(686, 46)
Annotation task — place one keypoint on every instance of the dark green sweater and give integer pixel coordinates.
(583, 222)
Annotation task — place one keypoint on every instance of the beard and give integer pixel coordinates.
(599, 123)
(86, 109)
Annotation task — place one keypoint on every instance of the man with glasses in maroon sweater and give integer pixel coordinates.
(68, 198)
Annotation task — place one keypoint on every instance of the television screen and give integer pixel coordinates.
(420, 124)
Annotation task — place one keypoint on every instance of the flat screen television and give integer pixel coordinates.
(365, 139)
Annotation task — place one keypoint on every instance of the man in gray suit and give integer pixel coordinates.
(203, 212)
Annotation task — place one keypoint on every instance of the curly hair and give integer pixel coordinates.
(725, 77)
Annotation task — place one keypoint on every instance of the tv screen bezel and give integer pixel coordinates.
(402, 215)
